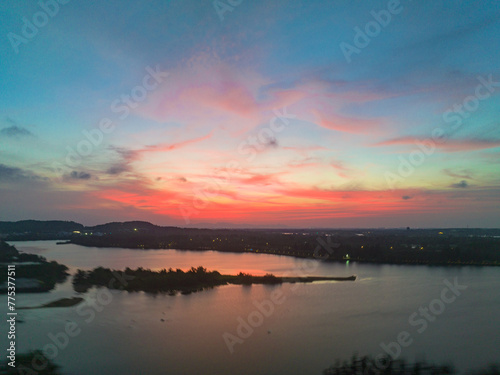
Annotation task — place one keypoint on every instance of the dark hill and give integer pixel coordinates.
(36, 226)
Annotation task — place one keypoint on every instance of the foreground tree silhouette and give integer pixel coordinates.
(387, 366)
(32, 363)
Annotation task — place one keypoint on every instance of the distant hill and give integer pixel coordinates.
(58, 226)
(126, 226)
(37, 226)
(26, 230)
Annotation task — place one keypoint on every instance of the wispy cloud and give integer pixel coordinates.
(347, 124)
(261, 179)
(460, 185)
(448, 145)
(465, 174)
(15, 131)
(341, 169)
(8, 173)
(165, 147)
(123, 164)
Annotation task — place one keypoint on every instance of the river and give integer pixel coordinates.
(299, 329)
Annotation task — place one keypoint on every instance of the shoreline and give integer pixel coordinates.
(449, 263)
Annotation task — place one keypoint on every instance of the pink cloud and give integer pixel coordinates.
(342, 170)
(163, 147)
(216, 95)
(347, 124)
(261, 179)
(209, 92)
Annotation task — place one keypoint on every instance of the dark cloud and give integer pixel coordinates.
(126, 157)
(16, 174)
(118, 168)
(460, 185)
(80, 175)
(126, 154)
(264, 145)
(272, 142)
(15, 131)
(406, 197)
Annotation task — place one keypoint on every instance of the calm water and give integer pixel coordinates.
(313, 326)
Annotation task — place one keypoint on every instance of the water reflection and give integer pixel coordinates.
(316, 323)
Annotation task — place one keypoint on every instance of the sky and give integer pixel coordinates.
(239, 113)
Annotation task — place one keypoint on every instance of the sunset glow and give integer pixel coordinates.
(179, 118)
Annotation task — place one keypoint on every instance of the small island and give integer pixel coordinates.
(63, 302)
(33, 273)
(172, 281)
